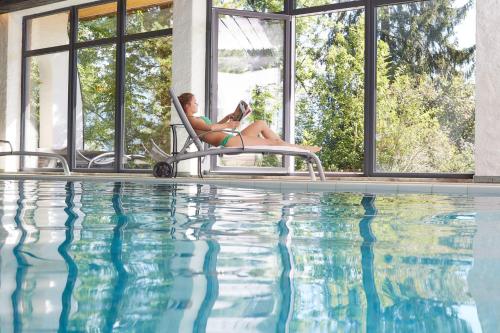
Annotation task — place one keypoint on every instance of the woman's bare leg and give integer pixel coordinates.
(258, 141)
(250, 141)
(260, 127)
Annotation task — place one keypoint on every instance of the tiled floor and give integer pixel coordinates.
(289, 184)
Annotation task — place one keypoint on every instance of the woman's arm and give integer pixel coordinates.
(200, 125)
(226, 119)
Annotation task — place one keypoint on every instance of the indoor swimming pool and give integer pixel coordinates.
(89, 256)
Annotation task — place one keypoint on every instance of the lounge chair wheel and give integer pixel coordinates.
(163, 170)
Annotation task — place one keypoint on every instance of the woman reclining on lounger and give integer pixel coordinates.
(255, 134)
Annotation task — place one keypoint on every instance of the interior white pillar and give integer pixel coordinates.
(3, 79)
(189, 39)
(487, 148)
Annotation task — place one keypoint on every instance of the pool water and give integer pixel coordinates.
(131, 257)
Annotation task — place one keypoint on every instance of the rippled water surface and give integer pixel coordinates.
(127, 257)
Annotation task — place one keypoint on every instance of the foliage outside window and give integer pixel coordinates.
(424, 85)
(329, 88)
(425, 88)
(313, 3)
(147, 70)
(147, 101)
(253, 5)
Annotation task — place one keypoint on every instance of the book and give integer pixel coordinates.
(242, 110)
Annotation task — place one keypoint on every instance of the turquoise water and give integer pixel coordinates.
(127, 257)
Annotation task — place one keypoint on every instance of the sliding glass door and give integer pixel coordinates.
(249, 63)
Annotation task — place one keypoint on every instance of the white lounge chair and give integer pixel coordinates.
(166, 167)
(58, 157)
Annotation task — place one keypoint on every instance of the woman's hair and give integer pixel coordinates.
(185, 98)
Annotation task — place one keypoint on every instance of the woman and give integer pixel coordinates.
(255, 134)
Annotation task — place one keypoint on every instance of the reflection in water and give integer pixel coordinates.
(106, 257)
(367, 265)
(22, 264)
(70, 263)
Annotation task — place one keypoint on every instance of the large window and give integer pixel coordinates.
(252, 5)
(425, 88)
(111, 63)
(45, 99)
(384, 87)
(250, 58)
(329, 88)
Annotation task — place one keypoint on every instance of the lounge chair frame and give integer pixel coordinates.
(38, 154)
(195, 139)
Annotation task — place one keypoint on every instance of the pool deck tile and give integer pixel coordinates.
(268, 185)
(449, 189)
(483, 190)
(322, 186)
(376, 188)
(294, 186)
(290, 184)
(351, 187)
(415, 188)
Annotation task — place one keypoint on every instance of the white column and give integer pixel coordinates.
(3, 77)
(189, 48)
(487, 149)
(11, 126)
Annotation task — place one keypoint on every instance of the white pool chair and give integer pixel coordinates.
(55, 156)
(166, 167)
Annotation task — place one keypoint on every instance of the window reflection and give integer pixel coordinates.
(98, 256)
(250, 67)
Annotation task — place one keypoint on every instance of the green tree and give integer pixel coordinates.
(330, 88)
(254, 5)
(421, 35)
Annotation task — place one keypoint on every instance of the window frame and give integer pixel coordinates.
(72, 47)
(287, 64)
(370, 8)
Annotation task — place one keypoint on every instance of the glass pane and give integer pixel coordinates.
(425, 87)
(257, 6)
(329, 88)
(313, 3)
(97, 22)
(46, 108)
(250, 68)
(48, 31)
(95, 107)
(147, 102)
(149, 15)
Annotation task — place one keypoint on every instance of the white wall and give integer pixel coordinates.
(487, 153)
(188, 75)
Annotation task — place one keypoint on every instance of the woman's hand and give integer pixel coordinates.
(232, 116)
(233, 124)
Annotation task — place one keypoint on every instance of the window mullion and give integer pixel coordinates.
(120, 86)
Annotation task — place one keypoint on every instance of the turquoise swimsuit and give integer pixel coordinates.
(225, 140)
